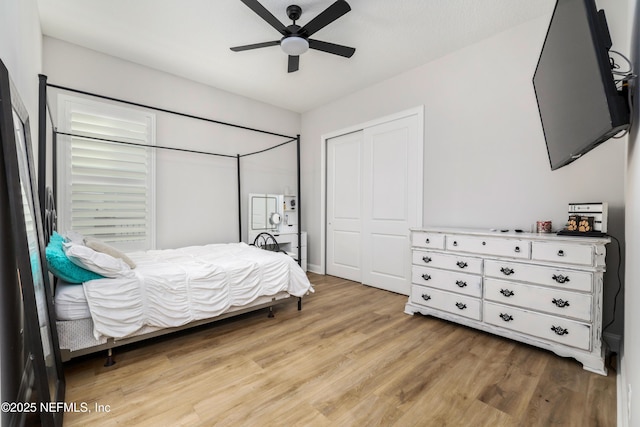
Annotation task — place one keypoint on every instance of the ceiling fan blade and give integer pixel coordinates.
(330, 14)
(294, 62)
(267, 16)
(255, 46)
(336, 49)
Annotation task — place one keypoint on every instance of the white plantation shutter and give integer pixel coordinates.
(108, 187)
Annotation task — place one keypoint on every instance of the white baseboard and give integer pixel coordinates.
(622, 390)
(314, 268)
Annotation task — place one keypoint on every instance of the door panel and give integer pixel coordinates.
(344, 224)
(389, 176)
(346, 249)
(389, 203)
(383, 265)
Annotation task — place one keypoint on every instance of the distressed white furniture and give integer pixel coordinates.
(541, 289)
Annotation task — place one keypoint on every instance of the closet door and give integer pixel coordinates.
(374, 196)
(391, 202)
(344, 206)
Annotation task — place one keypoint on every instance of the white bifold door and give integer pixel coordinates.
(374, 196)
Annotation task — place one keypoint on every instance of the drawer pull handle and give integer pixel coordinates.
(461, 284)
(559, 330)
(517, 249)
(484, 243)
(461, 306)
(560, 252)
(506, 317)
(560, 278)
(507, 271)
(425, 276)
(427, 241)
(426, 259)
(462, 264)
(455, 243)
(426, 297)
(560, 303)
(507, 292)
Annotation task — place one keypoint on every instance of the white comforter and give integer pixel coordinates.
(174, 287)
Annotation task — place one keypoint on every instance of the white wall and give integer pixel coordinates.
(21, 51)
(629, 389)
(196, 194)
(485, 159)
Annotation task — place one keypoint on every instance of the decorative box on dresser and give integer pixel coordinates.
(541, 289)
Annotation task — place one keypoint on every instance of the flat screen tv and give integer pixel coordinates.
(580, 106)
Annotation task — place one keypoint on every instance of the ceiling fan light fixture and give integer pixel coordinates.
(294, 45)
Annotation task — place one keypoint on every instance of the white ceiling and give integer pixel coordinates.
(191, 38)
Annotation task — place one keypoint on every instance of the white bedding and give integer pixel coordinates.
(71, 303)
(174, 287)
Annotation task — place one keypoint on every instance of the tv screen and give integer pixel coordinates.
(580, 106)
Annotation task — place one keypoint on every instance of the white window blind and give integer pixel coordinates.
(108, 187)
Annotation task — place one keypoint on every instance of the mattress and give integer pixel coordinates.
(170, 288)
(70, 302)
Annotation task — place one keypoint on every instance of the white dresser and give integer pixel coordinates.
(541, 289)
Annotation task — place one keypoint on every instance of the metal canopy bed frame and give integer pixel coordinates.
(47, 197)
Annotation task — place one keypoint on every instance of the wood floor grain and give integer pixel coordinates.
(351, 357)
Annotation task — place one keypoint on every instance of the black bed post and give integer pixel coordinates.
(239, 202)
(299, 214)
(42, 143)
(54, 168)
(299, 201)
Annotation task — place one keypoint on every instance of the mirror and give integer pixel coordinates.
(263, 207)
(29, 273)
(35, 259)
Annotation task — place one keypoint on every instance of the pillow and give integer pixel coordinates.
(60, 265)
(98, 262)
(74, 237)
(100, 246)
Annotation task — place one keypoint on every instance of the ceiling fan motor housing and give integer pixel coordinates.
(294, 12)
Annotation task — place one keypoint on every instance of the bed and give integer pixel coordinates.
(166, 291)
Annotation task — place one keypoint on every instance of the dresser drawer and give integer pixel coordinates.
(548, 300)
(446, 301)
(542, 275)
(427, 240)
(448, 261)
(512, 248)
(547, 327)
(565, 253)
(463, 283)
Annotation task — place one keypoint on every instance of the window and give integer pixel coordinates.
(106, 189)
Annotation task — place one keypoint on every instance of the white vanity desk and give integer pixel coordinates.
(541, 289)
(276, 214)
(288, 242)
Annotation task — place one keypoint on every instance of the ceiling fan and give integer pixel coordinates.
(295, 40)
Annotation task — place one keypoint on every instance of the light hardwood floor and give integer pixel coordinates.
(351, 357)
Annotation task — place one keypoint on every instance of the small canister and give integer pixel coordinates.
(543, 226)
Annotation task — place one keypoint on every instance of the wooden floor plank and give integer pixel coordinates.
(351, 357)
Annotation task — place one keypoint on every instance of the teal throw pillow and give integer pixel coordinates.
(62, 267)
